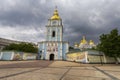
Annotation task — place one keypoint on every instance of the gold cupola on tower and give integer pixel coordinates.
(55, 15)
(83, 41)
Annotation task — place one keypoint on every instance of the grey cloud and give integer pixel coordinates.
(24, 13)
(84, 17)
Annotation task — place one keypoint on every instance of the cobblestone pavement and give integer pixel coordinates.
(57, 70)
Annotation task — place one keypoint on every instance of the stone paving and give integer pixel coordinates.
(57, 70)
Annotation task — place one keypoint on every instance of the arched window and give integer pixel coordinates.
(53, 34)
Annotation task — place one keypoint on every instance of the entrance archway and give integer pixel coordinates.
(51, 57)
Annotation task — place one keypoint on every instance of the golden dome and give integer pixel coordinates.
(83, 41)
(55, 15)
(91, 42)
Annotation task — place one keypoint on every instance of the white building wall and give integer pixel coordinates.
(1, 55)
(12, 55)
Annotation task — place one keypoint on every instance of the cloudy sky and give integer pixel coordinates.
(25, 20)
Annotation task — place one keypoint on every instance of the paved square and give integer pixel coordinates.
(57, 70)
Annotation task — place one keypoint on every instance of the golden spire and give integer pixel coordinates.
(55, 15)
(83, 37)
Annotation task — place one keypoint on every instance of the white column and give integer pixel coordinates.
(67, 48)
(86, 56)
(61, 34)
(56, 34)
(61, 49)
(47, 34)
(43, 49)
(104, 58)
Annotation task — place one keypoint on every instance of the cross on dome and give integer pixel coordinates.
(55, 15)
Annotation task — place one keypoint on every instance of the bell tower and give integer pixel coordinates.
(54, 48)
(54, 28)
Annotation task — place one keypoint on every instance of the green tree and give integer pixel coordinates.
(110, 44)
(71, 48)
(24, 47)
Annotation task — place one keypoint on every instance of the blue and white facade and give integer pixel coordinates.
(54, 48)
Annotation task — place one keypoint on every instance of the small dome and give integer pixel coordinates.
(91, 42)
(55, 15)
(83, 41)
